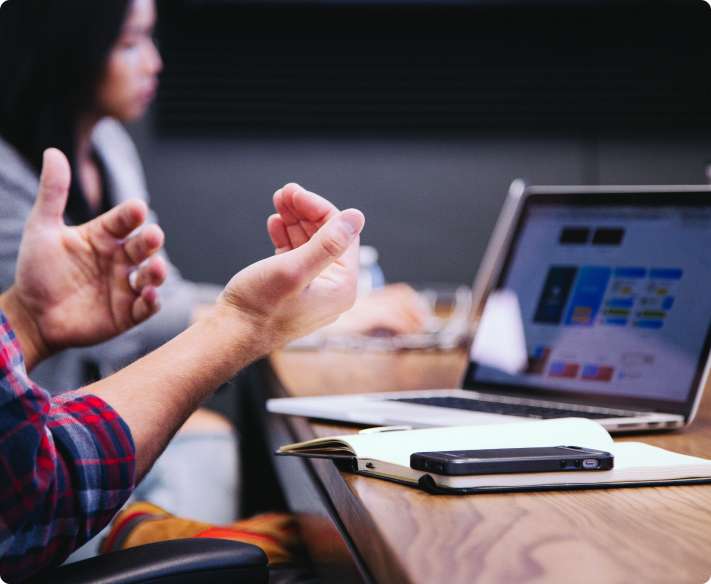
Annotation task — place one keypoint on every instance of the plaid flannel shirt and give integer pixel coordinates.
(66, 467)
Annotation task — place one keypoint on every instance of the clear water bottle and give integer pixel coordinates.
(370, 275)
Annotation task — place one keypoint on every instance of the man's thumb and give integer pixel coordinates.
(329, 243)
(54, 186)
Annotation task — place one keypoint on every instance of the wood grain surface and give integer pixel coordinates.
(651, 534)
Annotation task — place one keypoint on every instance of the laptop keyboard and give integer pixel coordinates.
(508, 409)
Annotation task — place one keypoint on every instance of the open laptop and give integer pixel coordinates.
(613, 287)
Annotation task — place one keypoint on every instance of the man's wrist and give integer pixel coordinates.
(28, 333)
(245, 334)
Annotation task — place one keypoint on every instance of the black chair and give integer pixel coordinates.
(182, 561)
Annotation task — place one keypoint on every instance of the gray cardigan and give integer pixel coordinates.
(18, 187)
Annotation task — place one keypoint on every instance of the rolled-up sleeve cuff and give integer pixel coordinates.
(98, 444)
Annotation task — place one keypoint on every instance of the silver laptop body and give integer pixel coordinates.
(612, 287)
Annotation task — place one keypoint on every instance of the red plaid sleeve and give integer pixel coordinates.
(66, 467)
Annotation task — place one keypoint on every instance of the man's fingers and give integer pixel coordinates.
(277, 233)
(331, 242)
(281, 206)
(144, 244)
(312, 210)
(152, 273)
(122, 220)
(309, 206)
(302, 211)
(146, 305)
(54, 186)
(292, 222)
(296, 235)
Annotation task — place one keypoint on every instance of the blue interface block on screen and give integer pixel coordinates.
(630, 273)
(666, 274)
(649, 324)
(588, 295)
(554, 296)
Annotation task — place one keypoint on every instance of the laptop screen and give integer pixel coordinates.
(614, 297)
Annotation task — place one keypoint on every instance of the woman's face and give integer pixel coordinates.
(131, 78)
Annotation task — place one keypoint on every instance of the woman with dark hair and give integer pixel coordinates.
(70, 72)
(50, 76)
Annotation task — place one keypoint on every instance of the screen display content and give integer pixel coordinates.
(614, 300)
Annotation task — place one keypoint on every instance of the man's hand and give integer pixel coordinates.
(81, 285)
(395, 309)
(310, 281)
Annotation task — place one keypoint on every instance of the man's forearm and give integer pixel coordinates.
(156, 394)
(28, 334)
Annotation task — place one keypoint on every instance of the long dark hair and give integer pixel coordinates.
(53, 54)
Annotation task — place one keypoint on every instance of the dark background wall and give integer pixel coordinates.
(258, 95)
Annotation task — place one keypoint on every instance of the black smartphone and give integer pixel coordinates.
(512, 460)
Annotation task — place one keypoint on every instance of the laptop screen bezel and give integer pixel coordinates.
(649, 197)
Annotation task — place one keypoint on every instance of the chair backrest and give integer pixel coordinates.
(179, 561)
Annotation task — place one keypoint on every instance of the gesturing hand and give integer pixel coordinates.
(396, 308)
(72, 283)
(310, 281)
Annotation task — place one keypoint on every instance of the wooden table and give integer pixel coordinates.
(373, 530)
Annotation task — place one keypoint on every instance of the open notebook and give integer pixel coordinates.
(386, 455)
